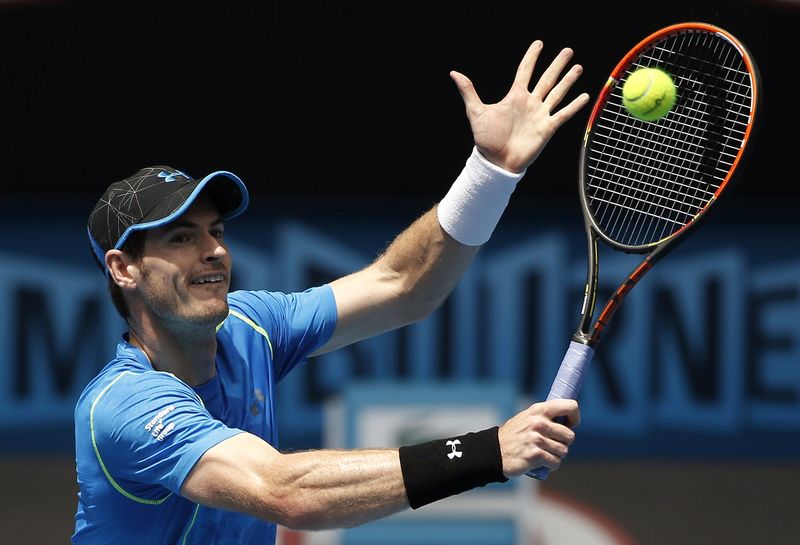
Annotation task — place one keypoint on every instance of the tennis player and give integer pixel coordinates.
(175, 438)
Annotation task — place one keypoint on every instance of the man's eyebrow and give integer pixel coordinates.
(179, 224)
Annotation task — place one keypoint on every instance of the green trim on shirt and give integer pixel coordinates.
(114, 483)
(255, 326)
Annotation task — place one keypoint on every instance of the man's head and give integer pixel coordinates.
(159, 233)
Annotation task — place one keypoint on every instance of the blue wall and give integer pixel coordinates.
(701, 361)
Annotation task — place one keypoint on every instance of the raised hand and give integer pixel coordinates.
(512, 133)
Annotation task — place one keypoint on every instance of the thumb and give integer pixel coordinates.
(468, 94)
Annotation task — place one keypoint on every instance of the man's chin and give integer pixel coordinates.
(211, 314)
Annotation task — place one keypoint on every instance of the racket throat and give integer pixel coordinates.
(583, 334)
(616, 300)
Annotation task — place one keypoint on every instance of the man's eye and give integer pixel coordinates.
(219, 233)
(180, 237)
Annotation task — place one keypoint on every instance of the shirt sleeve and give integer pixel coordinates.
(296, 323)
(149, 430)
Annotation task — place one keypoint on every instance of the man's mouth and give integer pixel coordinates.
(209, 279)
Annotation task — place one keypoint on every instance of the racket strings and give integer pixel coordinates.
(624, 216)
(645, 181)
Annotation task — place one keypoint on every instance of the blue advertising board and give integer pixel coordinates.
(702, 360)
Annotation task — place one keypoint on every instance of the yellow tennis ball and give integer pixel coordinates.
(648, 94)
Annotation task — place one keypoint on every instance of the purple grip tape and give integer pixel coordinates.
(567, 384)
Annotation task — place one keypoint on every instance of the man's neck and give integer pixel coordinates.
(189, 354)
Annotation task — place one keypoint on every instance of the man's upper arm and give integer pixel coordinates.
(367, 303)
(409, 281)
(233, 475)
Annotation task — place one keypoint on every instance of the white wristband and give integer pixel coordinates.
(473, 206)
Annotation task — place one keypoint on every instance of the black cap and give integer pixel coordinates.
(153, 197)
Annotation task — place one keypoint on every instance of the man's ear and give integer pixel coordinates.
(119, 266)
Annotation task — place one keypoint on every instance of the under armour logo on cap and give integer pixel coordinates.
(172, 176)
(455, 453)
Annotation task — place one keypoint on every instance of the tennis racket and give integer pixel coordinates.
(645, 186)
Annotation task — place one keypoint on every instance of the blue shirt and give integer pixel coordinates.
(139, 432)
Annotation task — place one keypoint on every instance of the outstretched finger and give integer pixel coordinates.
(468, 93)
(560, 117)
(550, 76)
(557, 94)
(526, 65)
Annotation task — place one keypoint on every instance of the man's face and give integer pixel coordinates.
(184, 273)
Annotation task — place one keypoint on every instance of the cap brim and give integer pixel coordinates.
(227, 191)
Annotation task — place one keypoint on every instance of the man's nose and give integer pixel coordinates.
(215, 249)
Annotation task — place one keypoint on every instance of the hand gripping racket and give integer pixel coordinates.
(644, 186)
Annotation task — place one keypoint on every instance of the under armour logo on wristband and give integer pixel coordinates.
(428, 476)
(455, 453)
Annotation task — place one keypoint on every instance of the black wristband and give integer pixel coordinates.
(445, 467)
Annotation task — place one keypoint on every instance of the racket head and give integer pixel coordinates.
(644, 185)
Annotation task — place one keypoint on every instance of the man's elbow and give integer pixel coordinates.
(301, 520)
(416, 306)
(307, 516)
(289, 508)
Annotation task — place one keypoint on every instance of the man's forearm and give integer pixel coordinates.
(335, 489)
(323, 489)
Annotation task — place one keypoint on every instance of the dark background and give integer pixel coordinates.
(313, 100)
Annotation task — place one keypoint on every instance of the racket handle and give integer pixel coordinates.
(566, 385)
